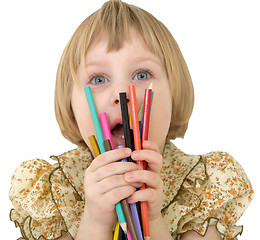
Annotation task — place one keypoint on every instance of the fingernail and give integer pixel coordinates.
(135, 155)
(129, 175)
(128, 151)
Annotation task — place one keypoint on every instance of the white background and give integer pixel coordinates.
(219, 40)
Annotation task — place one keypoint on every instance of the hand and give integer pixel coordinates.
(105, 186)
(151, 177)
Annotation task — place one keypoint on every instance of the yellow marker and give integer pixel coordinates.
(116, 231)
(94, 145)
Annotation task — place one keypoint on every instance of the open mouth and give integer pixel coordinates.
(118, 131)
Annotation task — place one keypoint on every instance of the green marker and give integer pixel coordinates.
(95, 119)
(121, 217)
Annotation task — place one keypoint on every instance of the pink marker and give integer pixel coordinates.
(106, 128)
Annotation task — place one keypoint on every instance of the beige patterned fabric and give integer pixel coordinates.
(199, 191)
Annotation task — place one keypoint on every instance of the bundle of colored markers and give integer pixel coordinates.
(132, 218)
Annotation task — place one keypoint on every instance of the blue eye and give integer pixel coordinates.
(99, 80)
(142, 75)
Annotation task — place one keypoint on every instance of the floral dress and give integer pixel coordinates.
(199, 190)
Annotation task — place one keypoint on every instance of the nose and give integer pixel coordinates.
(120, 88)
(117, 100)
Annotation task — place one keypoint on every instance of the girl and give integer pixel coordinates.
(188, 196)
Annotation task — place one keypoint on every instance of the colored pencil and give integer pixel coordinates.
(146, 117)
(116, 232)
(129, 143)
(108, 146)
(122, 235)
(118, 206)
(145, 130)
(106, 128)
(146, 114)
(94, 145)
(135, 122)
(141, 129)
(151, 87)
(95, 119)
(126, 122)
(137, 142)
(134, 211)
(141, 110)
(128, 135)
(128, 236)
(129, 220)
(125, 206)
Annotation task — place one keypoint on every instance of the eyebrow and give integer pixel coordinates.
(137, 59)
(148, 59)
(93, 63)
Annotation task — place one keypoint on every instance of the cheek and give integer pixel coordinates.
(160, 117)
(85, 124)
(82, 115)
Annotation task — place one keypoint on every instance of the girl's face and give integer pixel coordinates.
(108, 74)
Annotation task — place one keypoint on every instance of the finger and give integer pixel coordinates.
(153, 158)
(151, 179)
(117, 194)
(108, 157)
(113, 182)
(115, 168)
(112, 197)
(148, 194)
(150, 145)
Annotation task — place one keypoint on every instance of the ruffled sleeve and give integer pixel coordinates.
(45, 201)
(34, 210)
(215, 191)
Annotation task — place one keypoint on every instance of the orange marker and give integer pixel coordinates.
(134, 115)
(137, 142)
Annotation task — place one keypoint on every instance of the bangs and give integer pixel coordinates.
(114, 21)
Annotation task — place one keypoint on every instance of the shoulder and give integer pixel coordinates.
(213, 189)
(221, 161)
(227, 174)
(46, 203)
(27, 175)
(31, 198)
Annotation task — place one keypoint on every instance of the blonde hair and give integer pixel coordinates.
(115, 18)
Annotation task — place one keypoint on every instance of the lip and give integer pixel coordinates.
(115, 122)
